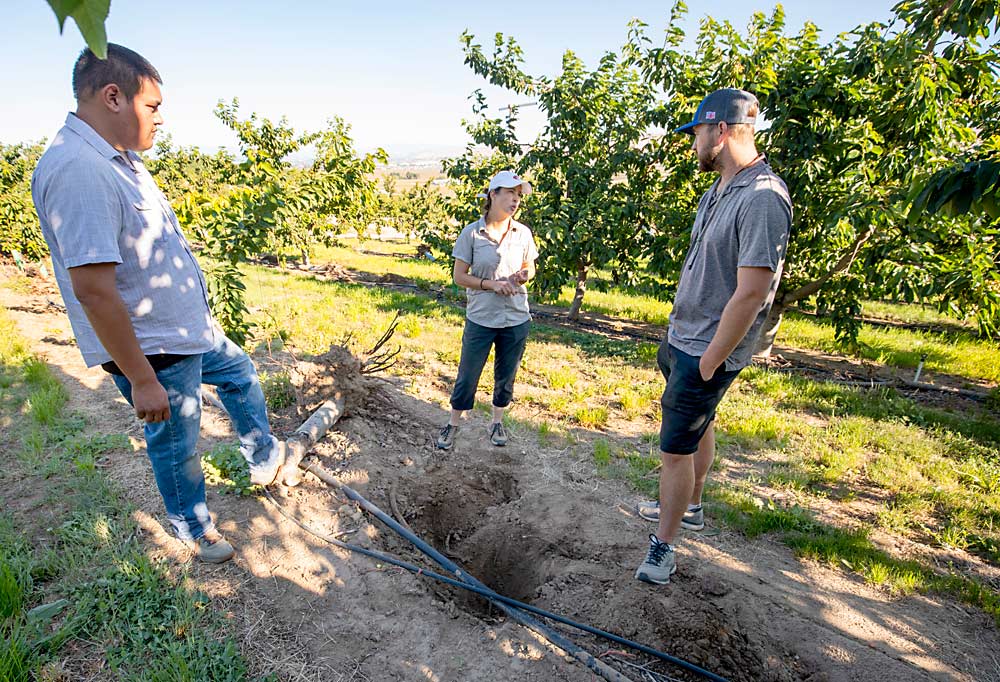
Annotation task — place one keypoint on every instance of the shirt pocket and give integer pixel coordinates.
(148, 233)
(148, 211)
(485, 260)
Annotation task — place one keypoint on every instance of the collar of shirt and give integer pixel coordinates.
(745, 175)
(481, 226)
(91, 137)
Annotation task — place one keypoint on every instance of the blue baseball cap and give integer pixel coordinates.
(728, 104)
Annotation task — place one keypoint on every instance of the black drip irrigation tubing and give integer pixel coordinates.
(597, 666)
(515, 609)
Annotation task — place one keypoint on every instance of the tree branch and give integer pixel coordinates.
(843, 264)
(936, 30)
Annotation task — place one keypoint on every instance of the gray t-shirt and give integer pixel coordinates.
(98, 205)
(492, 260)
(746, 226)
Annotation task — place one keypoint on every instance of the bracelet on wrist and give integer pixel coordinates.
(482, 280)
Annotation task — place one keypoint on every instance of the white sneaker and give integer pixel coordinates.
(265, 472)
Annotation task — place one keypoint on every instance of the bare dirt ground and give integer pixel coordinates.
(533, 522)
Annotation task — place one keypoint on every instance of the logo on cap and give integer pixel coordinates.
(709, 115)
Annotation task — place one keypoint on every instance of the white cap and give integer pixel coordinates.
(509, 179)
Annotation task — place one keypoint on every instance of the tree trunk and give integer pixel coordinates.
(765, 342)
(581, 289)
(305, 257)
(783, 300)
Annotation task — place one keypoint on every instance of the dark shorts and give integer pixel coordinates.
(688, 402)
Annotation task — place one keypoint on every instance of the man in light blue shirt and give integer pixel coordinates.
(134, 293)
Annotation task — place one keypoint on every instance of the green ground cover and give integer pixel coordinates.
(954, 349)
(74, 579)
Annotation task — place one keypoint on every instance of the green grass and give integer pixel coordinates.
(620, 304)
(546, 433)
(831, 399)
(935, 470)
(602, 452)
(959, 354)
(351, 254)
(956, 351)
(75, 582)
(559, 377)
(633, 403)
(849, 549)
(911, 313)
(591, 417)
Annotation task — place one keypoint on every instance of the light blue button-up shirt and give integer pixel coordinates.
(98, 205)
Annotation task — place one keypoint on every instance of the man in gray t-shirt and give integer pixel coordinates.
(726, 288)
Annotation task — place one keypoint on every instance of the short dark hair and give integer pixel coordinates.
(123, 67)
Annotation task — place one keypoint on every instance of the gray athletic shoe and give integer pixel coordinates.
(692, 520)
(498, 435)
(212, 548)
(446, 438)
(659, 564)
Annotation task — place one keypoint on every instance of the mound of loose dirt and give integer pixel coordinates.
(332, 375)
(541, 546)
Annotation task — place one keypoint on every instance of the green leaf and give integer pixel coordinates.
(89, 16)
(43, 614)
(63, 9)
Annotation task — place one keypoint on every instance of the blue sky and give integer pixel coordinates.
(393, 70)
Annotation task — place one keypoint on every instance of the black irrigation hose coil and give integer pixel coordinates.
(516, 610)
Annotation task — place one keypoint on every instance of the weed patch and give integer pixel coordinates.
(602, 453)
(591, 417)
(225, 467)
(279, 392)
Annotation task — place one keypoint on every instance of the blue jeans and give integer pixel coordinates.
(477, 341)
(171, 444)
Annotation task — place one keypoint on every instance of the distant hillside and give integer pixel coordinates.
(421, 155)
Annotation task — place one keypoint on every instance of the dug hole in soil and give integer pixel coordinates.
(535, 523)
